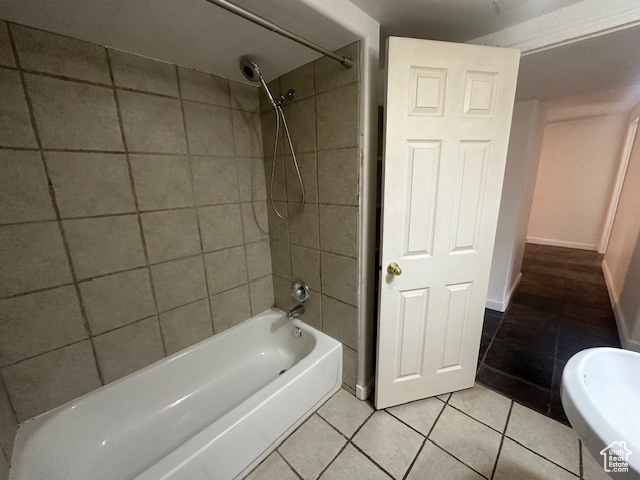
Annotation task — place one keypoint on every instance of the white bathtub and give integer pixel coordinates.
(212, 411)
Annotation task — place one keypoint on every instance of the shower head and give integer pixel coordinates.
(251, 71)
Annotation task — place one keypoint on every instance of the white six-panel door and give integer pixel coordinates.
(448, 114)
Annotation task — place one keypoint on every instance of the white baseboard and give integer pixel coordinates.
(561, 243)
(623, 333)
(501, 305)
(363, 392)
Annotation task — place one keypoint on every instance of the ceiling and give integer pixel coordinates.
(454, 20)
(192, 33)
(595, 64)
(197, 34)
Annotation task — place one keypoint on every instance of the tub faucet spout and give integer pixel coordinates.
(295, 312)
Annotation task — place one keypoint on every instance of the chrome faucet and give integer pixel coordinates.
(295, 312)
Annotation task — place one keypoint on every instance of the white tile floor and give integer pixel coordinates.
(469, 435)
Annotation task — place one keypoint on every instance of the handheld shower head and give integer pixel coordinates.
(250, 69)
(251, 72)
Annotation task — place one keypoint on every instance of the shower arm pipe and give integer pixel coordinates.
(263, 22)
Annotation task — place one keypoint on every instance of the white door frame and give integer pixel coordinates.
(617, 187)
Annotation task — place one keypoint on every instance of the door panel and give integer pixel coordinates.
(448, 114)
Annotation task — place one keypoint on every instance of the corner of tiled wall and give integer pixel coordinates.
(321, 246)
(134, 219)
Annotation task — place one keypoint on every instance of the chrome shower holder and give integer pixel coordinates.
(287, 97)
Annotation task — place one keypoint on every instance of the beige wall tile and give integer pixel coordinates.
(340, 321)
(255, 220)
(308, 171)
(301, 120)
(209, 129)
(261, 294)
(179, 282)
(15, 123)
(226, 269)
(258, 259)
(152, 123)
(330, 74)
(278, 228)
(251, 178)
(282, 293)
(203, 87)
(300, 80)
(104, 245)
(349, 366)
(140, 73)
(281, 259)
(305, 229)
(220, 226)
(215, 180)
(88, 184)
(127, 349)
(339, 230)
(49, 380)
(247, 133)
(313, 310)
(24, 193)
(338, 125)
(51, 53)
(340, 277)
(279, 178)
(268, 127)
(32, 257)
(89, 123)
(116, 300)
(305, 264)
(39, 322)
(338, 176)
(4, 468)
(186, 326)
(230, 308)
(8, 424)
(244, 97)
(162, 181)
(171, 234)
(6, 53)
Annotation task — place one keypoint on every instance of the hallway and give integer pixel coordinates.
(560, 307)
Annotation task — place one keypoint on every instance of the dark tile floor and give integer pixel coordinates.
(560, 307)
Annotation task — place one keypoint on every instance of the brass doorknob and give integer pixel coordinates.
(394, 269)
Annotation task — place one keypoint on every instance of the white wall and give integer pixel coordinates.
(578, 165)
(525, 142)
(621, 263)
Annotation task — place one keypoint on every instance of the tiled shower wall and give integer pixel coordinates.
(133, 220)
(321, 246)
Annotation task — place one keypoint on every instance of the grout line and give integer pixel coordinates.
(580, 460)
(366, 455)
(193, 195)
(54, 202)
(288, 464)
(244, 237)
(14, 412)
(145, 249)
(457, 459)
(542, 456)
(415, 459)
(504, 433)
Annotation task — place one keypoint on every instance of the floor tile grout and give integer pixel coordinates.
(504, 433)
